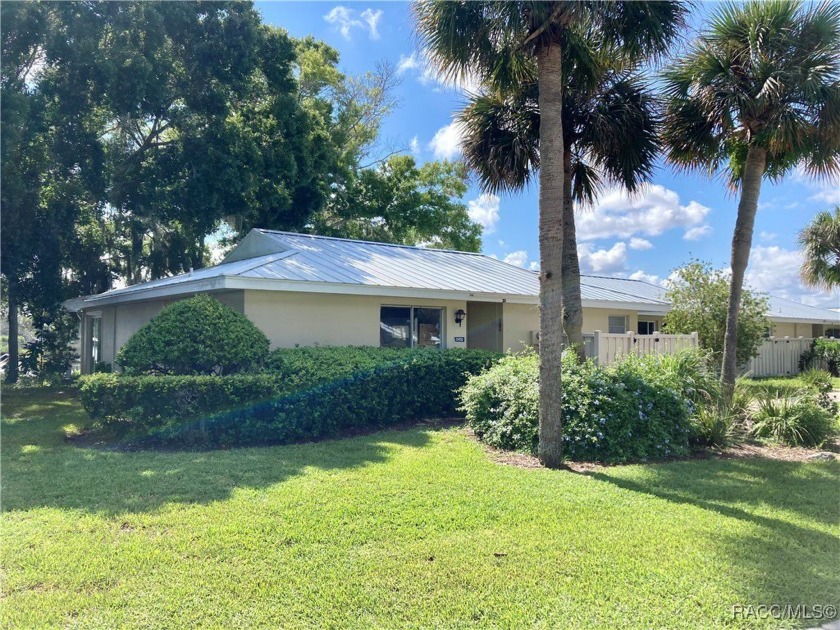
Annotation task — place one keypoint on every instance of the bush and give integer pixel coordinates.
(614, 414)
(795, 420)
(819, 381)
(304, 367)
(825, 350)
(199, 335)
(502, 403)
(264, 408)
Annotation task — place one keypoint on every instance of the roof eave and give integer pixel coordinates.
(187, 287)
(337, 288)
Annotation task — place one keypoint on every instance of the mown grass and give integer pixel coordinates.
(412, 528)
(780, 384)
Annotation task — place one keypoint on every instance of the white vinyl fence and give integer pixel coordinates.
(778, 356)
(606, 348)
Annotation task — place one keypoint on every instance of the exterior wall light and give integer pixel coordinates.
(460, 316)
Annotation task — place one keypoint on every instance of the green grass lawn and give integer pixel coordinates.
(781, 384)
(412, 528)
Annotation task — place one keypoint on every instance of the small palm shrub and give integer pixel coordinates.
(822, 350)
(820, 382)
(792, 419)
(199, 335)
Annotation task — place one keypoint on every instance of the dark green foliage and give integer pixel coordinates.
(400, 201)
(280, 406)
(199, 335)
(825, 350)
(51, 352)
(628, 412)
(311, 365)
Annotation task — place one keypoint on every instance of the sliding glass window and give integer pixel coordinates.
(410, 327)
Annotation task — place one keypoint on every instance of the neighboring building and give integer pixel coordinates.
(304, 290)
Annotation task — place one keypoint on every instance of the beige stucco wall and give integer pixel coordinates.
(518, 320)
(521, 319)
(598, 319)
(306, 319)
(120, 322)
(792, 329)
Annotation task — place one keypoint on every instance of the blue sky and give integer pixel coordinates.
(678, 217)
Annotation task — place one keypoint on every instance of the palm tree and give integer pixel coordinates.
(500, 43)
(820, 242)
(756, 95)
(609, 131)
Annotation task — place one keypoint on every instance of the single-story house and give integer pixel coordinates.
(304, 290)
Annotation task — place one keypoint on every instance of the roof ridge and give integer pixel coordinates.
(380, 243)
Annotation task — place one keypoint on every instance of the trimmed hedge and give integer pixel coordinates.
(270, 408)
(199, 335)
(308, 366)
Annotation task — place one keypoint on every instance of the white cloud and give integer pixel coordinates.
(602, 261)
(828, 195)
(414, 145)
(446, 143)
(696, 233)
(640, 244)
(656, 210)
(412, 62)
(775, 270)
(534, 265)
(767, 236)
(427, 74)
(372, 18)
(344, 20)
(484, 210)
(646, 277)
(518, 258)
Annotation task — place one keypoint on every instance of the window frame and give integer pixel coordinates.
(651, 326)
(412, 319)
(610, 324)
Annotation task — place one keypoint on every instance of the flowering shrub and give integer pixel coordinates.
(615, 414)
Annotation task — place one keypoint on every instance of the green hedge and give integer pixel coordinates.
(199, 335)
(273, 408)
(308, 366)
(628, 412)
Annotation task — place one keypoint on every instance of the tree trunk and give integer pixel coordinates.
(550, 78)
(741, 244)
(572, 308)
(12, 368)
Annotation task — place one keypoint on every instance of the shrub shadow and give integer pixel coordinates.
(43, 469)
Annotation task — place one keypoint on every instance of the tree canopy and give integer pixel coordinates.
(133, 131)
(699, 295)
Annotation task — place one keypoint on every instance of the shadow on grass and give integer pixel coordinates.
(42, 469)
(787, 547)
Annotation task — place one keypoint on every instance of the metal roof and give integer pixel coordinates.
(784, 309)
(288, 261)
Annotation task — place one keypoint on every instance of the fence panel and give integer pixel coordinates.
(778, 356)
(609, 347)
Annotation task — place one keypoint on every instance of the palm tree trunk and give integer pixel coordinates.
(572, 307)
(12, 368)
(741, 244)
(550, 77)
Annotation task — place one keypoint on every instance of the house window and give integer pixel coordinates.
(833, 332)
(95, 341)
(410, 327)
(646, 328)
(618, 324)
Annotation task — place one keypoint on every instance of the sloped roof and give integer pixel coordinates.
(784, 309)
(287, 261)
